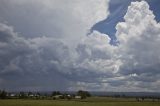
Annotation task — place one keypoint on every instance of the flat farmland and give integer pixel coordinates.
(93, 101)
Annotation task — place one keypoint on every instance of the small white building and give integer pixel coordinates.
(12, 95)
(68, 95)
(77, 97)
(31, 95)
(58, 96)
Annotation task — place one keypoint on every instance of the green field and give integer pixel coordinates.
(94, 101)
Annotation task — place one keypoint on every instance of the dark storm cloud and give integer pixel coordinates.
(11, 46)
(31, 63)
(70, 60)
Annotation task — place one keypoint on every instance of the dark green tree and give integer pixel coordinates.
(3, 94)
(83, 94)
(22, 95)
(30, 93)
(54, 93)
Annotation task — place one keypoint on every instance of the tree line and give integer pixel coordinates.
(37, 95)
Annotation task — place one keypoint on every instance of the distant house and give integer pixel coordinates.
(58, 96)
(31, 95)
(37, 95)
(68, 95)
(12, 95)
(78, 97)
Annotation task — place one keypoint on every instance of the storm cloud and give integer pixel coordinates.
(47, 45)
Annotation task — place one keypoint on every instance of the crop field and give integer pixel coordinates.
(93, 101)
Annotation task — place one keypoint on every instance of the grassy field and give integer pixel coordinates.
(94, 101)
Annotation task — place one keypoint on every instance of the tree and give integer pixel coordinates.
(83, 94)
(22, 95)
(38, 94)
(30, 93)
(54, 93)
(3, 94)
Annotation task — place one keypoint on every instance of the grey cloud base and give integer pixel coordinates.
(73, 62)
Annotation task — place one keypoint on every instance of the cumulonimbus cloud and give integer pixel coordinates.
(78, 59)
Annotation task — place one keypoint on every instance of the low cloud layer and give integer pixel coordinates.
(71, 58)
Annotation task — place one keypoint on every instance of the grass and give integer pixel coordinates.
(94, 101)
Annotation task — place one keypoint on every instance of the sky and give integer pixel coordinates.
(70, 45)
